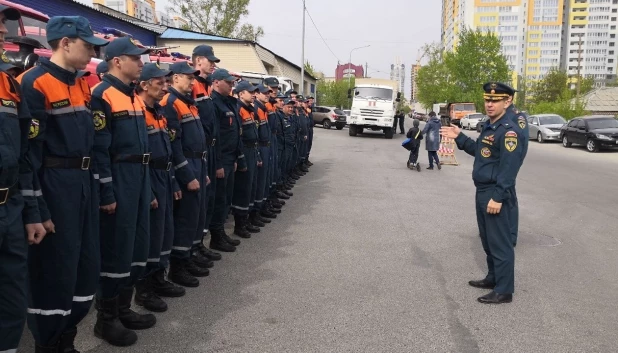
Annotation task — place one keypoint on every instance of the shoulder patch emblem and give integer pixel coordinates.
(34, 129)
(8, 103)
(510, 141)
(5, 59)
(521, 121)
(485, 152)
(98, 118)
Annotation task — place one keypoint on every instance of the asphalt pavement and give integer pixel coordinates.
(369, 256)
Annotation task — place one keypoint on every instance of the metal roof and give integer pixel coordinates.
(175, 33)
(603, 99)
(135, 22)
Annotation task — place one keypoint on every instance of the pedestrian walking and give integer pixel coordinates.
(432, 140)
(415, 135)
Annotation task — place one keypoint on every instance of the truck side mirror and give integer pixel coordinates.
(398, 99)
(398, 96)
(349, 93)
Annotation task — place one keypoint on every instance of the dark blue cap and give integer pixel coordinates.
(300, 98)
(281, 96)
(206, 51)
(152, 70)
(245, 86)
(123, 46)
(263, 89)
(291, 91)
(497, 91)
(271, 82)
(289, 101)
(183, 67)
(59, 27)
(102, 68)
(222, 74)
(11, 14)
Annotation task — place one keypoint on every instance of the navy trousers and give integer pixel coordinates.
(224, 187)
(245, 184)
(161, 221)
(263, 174)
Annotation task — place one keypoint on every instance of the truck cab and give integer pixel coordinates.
(373, 107)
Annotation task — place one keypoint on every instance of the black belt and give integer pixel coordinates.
(132, 158)
(191, 154)
(82, 163)
(250, 144)
(265, 143)
(211, 142)
(7, 193)
(161, 163)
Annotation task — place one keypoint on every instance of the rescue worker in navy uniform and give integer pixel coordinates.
(121, 159)
(521, 120)
(101, 70)
(245, 182)
(303, 132)
(275, 127)
(290, 132)
(151, 88)
(205, 61)
(64, 267)
(283, 134)
(229, 157)
(191, 171)
(310, 101)
(497, 159)
(18, 204)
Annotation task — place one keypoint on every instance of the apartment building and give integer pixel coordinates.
(398, 73)
(140, 9)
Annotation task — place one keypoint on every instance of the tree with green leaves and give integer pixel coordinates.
(459, 76)
(309, 68)
(218, 17)
(334, 94)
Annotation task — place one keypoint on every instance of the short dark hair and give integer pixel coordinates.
(55, 44)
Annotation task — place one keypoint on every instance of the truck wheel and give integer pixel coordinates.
(340, 126)
(352, 130)
(388, 133)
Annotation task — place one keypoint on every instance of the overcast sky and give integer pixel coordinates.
(392, 28)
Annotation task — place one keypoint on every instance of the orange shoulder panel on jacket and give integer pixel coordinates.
(7, 92)
(262, 115)
(58, 95)
(245, 115)
(118, 101)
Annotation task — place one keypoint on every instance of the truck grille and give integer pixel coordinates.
(372, 112)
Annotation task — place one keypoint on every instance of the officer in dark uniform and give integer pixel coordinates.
(204, 60)
(290, 130)
(64, 268)
(151, 88)
(282, 124)
(310, 101)
(304, 133)
(121, 158)
(245, 183)
(521, 120)
(18, 203)
(275, 127)
(229, 156)
(102, 69)
(497, 159)
(191, 171)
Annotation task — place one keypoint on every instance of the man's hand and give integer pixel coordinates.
(109, 209)
(259, 164)
(235, 166)
(305, 137)
(220, 173)
(178, 195)
(193, 185)
(450, 131)
(49, 226)
(35, 233)
(154, 204)
(207, 180)
(493, 207)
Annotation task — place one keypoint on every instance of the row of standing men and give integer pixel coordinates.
(114, 185)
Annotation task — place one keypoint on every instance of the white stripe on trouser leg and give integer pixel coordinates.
(115, 275)
(83, 299)
(180, 248)
(195, 242)
(166, 252)
(154, 260)
(138, 264)
(49, 312)
(205, 231)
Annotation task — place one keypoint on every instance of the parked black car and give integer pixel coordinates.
(593, 131)
(481, 124)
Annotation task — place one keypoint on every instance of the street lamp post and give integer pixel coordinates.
(350, 64)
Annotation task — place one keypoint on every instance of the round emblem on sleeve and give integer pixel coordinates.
(510, 141)
(521, 121)
(5, 58)
(98, 118)
(485, 152)
(34, 129)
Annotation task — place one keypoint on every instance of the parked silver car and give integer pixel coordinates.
(545, 127)
(329, 116)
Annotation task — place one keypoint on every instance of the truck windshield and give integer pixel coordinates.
(376, 93)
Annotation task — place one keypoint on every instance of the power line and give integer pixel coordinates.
(316, 28)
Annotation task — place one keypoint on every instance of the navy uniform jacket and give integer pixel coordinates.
(205, 107)
(282, 124)
(229, 151)
(289, 131)
(120, 129)
(303, 124)
(264, 130)
(497, 156)
(521, 120)
(15, 167)
(159, 138)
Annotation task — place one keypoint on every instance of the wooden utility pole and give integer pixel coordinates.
(579, 65)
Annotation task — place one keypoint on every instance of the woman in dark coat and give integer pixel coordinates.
(432, 139)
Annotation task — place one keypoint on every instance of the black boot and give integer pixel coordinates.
(281, 195)
(146, 297)
(41, 349)
(217, 241)
(239, 227)
(66, 344)
(201, 261)
(250, 227)
(164, 288)
(195, 270)
(268, 214)
(303, 169)
(207, 253)
(262, 219)
(129, 318)
(180, 275)
(274, 210)
(109, 327)
(255, 220)
(276, 203)
(288, 193)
